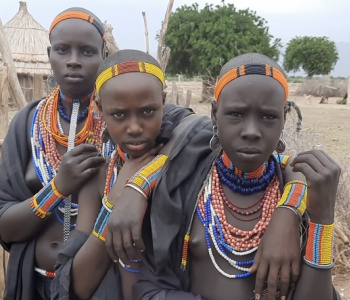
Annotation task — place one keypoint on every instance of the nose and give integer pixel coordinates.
(134, 128)
(73, 61)
(251, 129)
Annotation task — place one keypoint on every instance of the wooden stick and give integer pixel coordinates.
(12, 74)
(4, 101)
(160, 52)
(146, 31)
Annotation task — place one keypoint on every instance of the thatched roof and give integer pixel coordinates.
(28, 41)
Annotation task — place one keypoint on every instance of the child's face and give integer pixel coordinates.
(132, 107)
(75, 55)
(250, 118)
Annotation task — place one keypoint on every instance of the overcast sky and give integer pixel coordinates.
(286, 19)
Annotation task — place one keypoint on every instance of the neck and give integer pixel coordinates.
(245, 175)
(67, 102)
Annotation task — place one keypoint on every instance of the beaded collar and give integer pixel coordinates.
(81, 100)
(245, 183)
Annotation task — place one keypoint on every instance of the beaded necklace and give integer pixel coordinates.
(226, 238)
(46, 130)
(67, 118)
(245, 183)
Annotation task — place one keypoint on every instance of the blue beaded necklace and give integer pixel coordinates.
(241, 183)
(82, 116)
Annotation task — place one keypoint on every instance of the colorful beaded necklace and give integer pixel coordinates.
(117, 160)
(221, 235)
(46, 131)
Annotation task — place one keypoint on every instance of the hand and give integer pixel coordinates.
(322, 177)
(278, 254)
(124, 227)
(77, 166)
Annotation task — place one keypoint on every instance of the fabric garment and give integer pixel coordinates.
(167, 221)
(15, 156)
(110, 287)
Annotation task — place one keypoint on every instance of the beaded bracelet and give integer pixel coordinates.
(46, 200)
(146, 178)
(294, 195)
(100, 227)
(319, 246)
(129, 269)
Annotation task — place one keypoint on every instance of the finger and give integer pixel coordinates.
(82, 148)
(91, 162)
(88, 172)
(137, 238)
(260, 278)
(295, 270)
(118, 245)
(308, 159)
(272, 282)
(109, 246)
(257, 259)
(284, 279)
(128, 244)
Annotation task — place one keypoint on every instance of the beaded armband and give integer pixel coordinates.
(319, 246)
(146, 178)
(100, 227)
(46, 200)
(294, 195)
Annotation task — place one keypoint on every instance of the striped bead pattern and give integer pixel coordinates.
(295, 195)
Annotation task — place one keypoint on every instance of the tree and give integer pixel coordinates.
(201, 41)
(315, 55)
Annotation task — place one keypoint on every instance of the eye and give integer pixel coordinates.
(61, 50)
(269, 117)
(148, 111)
(88, 52)
(236, 114)
(118, 115)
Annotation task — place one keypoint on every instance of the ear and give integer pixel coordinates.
(214, 109)
(164, 96)
(48, 51)
(286, 110)
(99, 106)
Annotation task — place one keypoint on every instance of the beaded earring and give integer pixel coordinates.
(214, 141)
(281, 145)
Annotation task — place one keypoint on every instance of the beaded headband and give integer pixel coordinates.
(78, 15)
(251, 69)
(128, 67)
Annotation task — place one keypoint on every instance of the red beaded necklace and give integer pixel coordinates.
(238, 239)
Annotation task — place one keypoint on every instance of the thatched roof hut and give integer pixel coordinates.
(28, 42)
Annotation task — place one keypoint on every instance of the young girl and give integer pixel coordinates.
(45, 158)
(130, 86)
(207, 221)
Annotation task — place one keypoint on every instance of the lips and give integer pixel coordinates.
(73, 75)
(136, 145)
(249, 150)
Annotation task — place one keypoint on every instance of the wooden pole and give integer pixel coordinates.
(188, 98)
(4, 98)
(163, 53)
(173, 92)
(146, 31)
(38, 84)
(12, 75)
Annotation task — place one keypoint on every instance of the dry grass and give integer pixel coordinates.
(322, 87)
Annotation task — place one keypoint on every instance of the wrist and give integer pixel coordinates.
(60, 186)
(326, 220)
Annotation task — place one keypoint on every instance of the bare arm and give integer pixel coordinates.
(76, 167)
(322, 175)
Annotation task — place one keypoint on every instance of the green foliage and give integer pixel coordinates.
(201, 41)
(342, 101)
(315, 55)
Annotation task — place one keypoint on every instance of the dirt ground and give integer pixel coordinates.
(329, 126)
